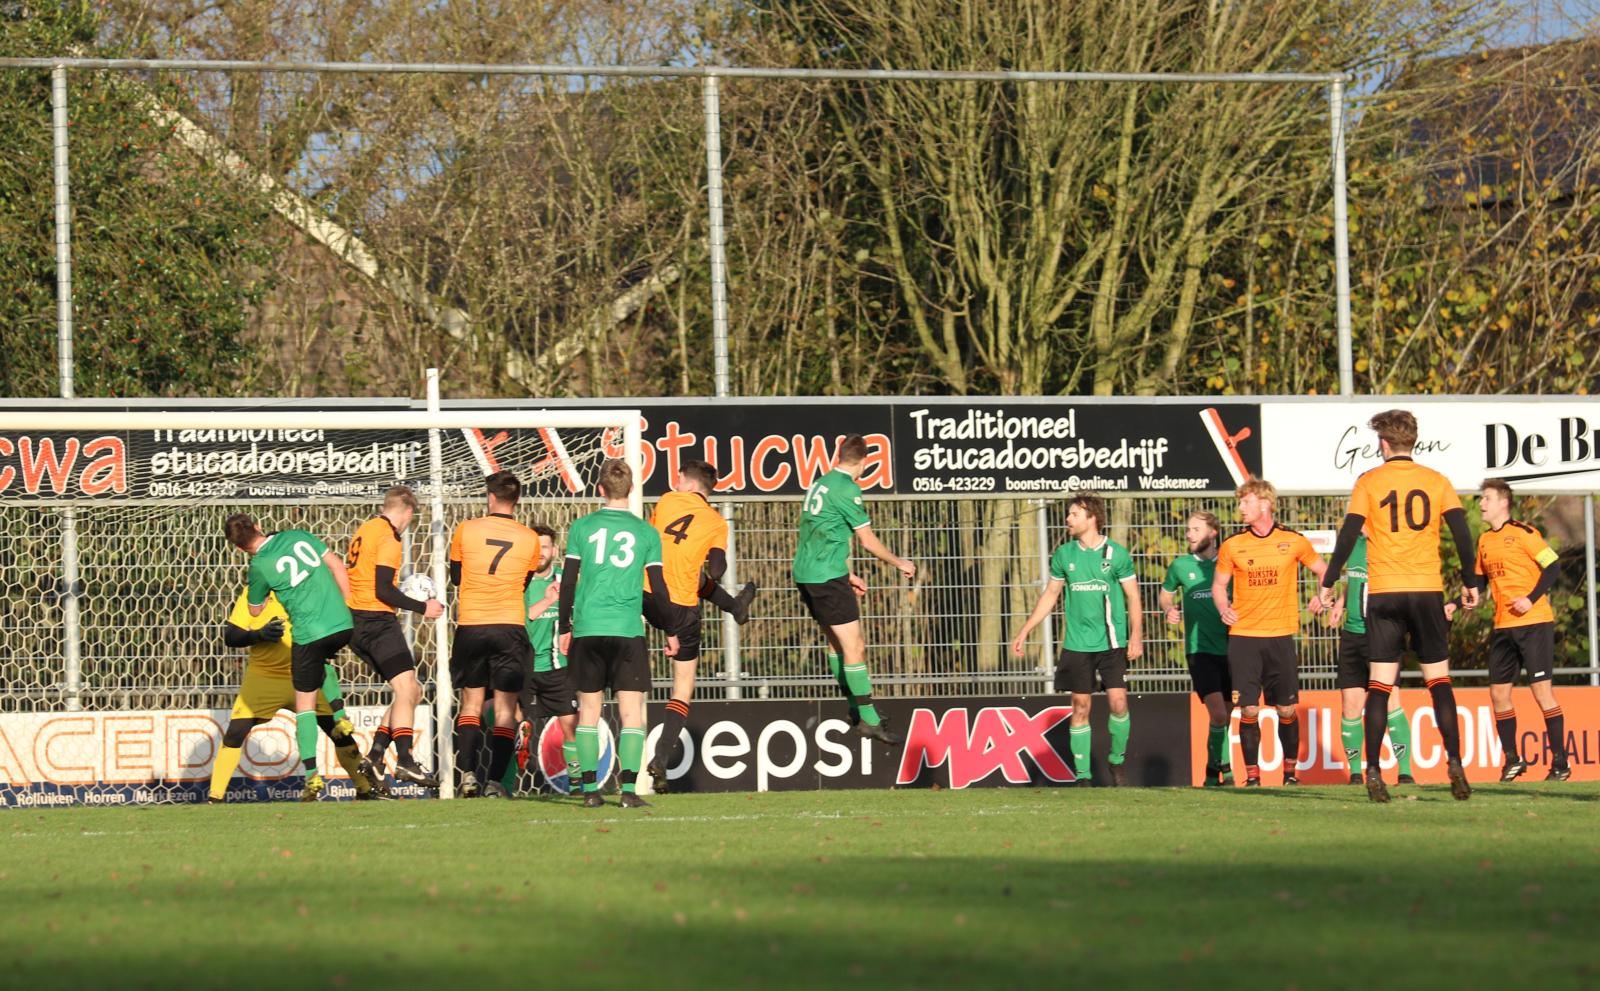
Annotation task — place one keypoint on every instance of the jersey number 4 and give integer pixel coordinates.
(1419, 510)
(622, 541)
(304, 554)
(678, 529)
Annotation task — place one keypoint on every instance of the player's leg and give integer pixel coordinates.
(1112, 667)
(307, 665)
(589, 667)
(737, 606)
(346, 751)
(1281, 688)
(1209, 675)
(1538, 647)
(402, 722)
(669, 745)
(569, 747)
(1350, 679)
(229, 753)
(502, 742)
(1400, 738)
(1075, 677)
(853, 649)
(630, 746)
(335, 697)
(469, 739)
(1245, 670)
(1429, 632)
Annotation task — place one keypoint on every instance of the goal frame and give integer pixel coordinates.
(432, 419)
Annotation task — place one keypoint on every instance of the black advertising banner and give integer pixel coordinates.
(761, 448)
(948, 743)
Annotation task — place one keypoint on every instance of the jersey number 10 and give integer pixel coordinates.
(1416, 518)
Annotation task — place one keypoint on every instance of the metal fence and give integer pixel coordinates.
(159, 582)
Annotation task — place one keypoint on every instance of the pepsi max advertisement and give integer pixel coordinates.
(947, 743)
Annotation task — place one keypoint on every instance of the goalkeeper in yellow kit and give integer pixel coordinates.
(267, 688)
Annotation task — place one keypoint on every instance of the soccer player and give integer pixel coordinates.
(1402, 505)
(611, 554)
(266, 688)
(694, 538)
(311, 583)
(1349, 617)
(1521, 570)
(1102, 630)
(1205, 639)
(550, 691)
(373, 562)
(831, 512)
(492, 560)
(1263, 614)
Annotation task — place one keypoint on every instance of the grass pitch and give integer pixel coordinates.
(1015, 888)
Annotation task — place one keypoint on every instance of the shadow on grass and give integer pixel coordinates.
(1093, 913)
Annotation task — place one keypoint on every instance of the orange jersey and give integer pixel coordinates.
(376, 544)
(690, 529)
(1265, 572)
(496, 554)
(1512, 558)
(1404, 505)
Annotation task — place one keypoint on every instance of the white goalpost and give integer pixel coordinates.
(117, 514)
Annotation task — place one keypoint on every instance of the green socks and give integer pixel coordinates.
(330, 691)
(1352, 733)
(1119, 727)
(305, 736)
(859, 687)
(569, 750)
(588, 747)
(1217, 746)
(1079, 737)
(630, 755)
(1400, 739)
(836, 666)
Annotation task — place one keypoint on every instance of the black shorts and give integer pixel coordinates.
(831, 603)
(1076, 670)
(306, 660)
(621, 664)
(1257, 663)
(682, 622)
(378, 640)
(550, 693)
(1532, 647)
(1353, 670)
(1209, 672)
(1397, 620)
(494, 655)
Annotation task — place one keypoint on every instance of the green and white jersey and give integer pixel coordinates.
(831, 513)
(542, 631)
(290, 566)
(1094, 608)
(1355, 588)
(1203, 630)
(613, 548)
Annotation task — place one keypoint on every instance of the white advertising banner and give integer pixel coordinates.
(1538, 445)
(122, 758)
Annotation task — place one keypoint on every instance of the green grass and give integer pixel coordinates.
(1017, 888)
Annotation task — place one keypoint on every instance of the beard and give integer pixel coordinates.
(1204, 546)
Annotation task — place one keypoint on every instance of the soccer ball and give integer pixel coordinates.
(419, 587)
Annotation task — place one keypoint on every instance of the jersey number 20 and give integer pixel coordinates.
(305, 554)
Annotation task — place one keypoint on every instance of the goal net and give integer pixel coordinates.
(116, 580)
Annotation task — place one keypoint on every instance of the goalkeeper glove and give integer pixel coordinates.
(271, 633)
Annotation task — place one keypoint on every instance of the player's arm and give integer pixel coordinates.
(455, 556)
(341, 574)
(1130, 591)
(256, 597)
(1349, 531)
(1545, 557)
(1466, 549)
(391, 596)
(1219, 589)
(1166, 600)
(1318, 567)
(1041, 609)
(569, 591)
(872, 545)
(236, 636)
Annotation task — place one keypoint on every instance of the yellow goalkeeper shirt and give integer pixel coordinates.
(270, 659)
